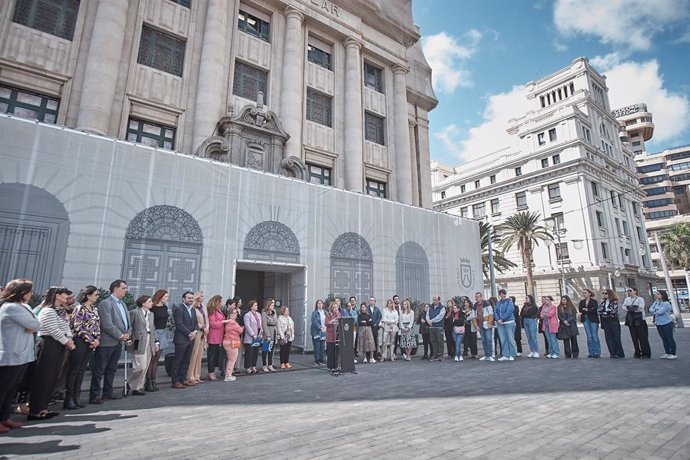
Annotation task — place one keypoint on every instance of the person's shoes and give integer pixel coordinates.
(147, 385)
(69, 404)
(664, 356)
(95, 401)
(265, 369)
(178, 386)
(271, 368)
(503, 358)
(4, 429)
(671, 357)
(491, 358)
(282, 365)
(460, 359)
(518, 354)
(112, 397)
(590, 356)
(231, 378)
(456, 359)
(510, 358)
(483, 358)
(365, 361)
(154, 385)
(555, 357)
(372, 360)
(188, 383)
(212, 376)
(11, 424)
(637, 356)
(425, 357)
(138, 393)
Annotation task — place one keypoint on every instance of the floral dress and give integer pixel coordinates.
(407, 336)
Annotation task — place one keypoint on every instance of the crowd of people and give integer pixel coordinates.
(44, 352)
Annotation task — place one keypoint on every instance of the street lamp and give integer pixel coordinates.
(554, 225)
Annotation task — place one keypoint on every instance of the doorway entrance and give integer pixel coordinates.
(286, 282)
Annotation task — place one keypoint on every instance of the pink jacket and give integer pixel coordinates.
(550, 316)
(232, 332)
(215, 330)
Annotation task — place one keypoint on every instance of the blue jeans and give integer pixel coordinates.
(666, 334)
(318, 350)
(531, 333)
(553, 344)
(593, 344)
(488, 342)
(458, 344)
(506, 334)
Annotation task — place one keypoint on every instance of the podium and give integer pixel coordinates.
(346, 344)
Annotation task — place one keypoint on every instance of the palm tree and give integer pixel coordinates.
(676, 246)
(523, 229)
(501, 263)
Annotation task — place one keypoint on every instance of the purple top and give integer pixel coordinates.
(85, 324)
(252, 325)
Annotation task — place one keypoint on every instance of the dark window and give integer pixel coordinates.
(613, 198)
(680, 177)
(635, 208)
(492, 179)
(678, 156)
(476, 184)
(463, 188)
(679, 190)
(679, 166)
(650, 168)
(319, 174)
(185, 3)
(319, 57)
(161, 51)
(544, 162)
(463, 212)
(25, 104)
(152, 134)
(478, 210)
(595, 189)
(653, 179)
(374, 130)
(658, 203)
(521, 200)
(318, 108)
(518, 171)
(254, 26)
(375, 188)
(552, 134)
(660, 214)
(373, 77)
(636, 143)
(494, 205)
(55, 17)
(605, 250)
(554, 192)
(556, 159)
(657, 191)
(248, 81)
(600, 220)
(562, 252)
(540, 139)
(443, 195)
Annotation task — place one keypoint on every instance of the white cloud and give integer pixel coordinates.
(609, 61)
(629, 24)
(632, 82)
(450, 138)
(491, 136)
(446, 57)
(559, 46)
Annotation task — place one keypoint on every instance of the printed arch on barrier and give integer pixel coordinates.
(163, 248)
(352, 267)
(273, 241)
(412, 272)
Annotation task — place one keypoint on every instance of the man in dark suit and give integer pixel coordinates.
(376, 317)
(115, 330)
(186, 329)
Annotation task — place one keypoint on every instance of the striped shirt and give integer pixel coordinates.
(53, 326)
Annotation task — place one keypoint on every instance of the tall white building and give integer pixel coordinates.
(568, 163)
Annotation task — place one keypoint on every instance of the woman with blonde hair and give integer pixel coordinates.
(215, 335)
(194, 371)
(252, 337)
(407, 337)
(332, 319)
(549, 314)
(390, 320)
(286, 334)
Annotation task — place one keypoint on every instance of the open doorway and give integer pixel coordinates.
(260, 280)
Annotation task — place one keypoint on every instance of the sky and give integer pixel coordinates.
(483, 53)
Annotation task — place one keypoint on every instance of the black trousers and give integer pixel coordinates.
(612, 332)
(78, 359)
(267, 356)
(571, 347)
(180, 364)
(470, 342)
(10, 378)
(450, 342)
(285, 352)
(375, 332)
(546, 343)
(45, 374)
(518, 336)
(640, 340)
(251, 355)
(331, 355)
(397, 342)
(213, 357)
(427, 344)
(105, 366)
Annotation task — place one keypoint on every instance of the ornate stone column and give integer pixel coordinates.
(403, 159)
(415, 172)
(354, 127)
(212, 71)
(292, 92)
(100, 77)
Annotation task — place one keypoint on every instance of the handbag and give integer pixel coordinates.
(266, 346)
(563, 332)
(458, 329)
(234, 344)
(256, 342)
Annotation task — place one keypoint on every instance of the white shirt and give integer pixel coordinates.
(630, 301)
(390, 320)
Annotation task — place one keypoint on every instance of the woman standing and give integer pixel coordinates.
(540, 329)
(663, 318)
(318, 332)
(471, 328)
(567, 329)
(332, 319)
(390, 320)
(231, 342)
(57, 337)
(194, 371)
(448, 328)
(17, 327)
(269, 321)
(549, 316)
(424, 331)
(161, 314)
(458, 317)
(215, 335)
(485, 317)
(589, 316)
(86, 332)
(608, 314)
(634, 319)
(286, 334)
(365, 337)
(529, 314)
(407, 338)
(252, 337)
(142, 343)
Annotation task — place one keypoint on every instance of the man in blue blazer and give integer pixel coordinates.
(186, 329)
(115, 330)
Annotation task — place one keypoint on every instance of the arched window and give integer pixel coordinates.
(352, 267)
(271, 240)
(412, 272)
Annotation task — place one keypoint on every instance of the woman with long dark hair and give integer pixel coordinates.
(663, 318)
(17, 327)
(318, 332)
(471, 328)
(529, 314)
(608, 314)
(269, 322)
(365, 337)
(86, 332)
(567, 327)
(216, 329)
(549, 316)
(160, 321)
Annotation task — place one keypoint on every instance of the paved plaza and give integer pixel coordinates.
(530, 408)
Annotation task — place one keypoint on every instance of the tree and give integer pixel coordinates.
(501, 263)
(523, 229)
(676, 246)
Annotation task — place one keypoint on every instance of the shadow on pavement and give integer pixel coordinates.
(34, 448)
(49, 429)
